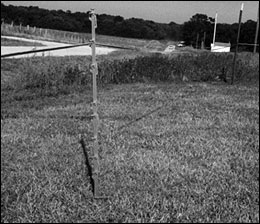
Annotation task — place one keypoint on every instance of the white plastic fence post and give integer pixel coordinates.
(215, 29)
(257, 28)
(94, 71)
(238, 34)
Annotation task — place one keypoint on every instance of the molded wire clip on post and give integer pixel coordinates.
(92, 13)
(94, 68)
(91, 41)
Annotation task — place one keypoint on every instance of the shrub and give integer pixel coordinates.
(156, 67)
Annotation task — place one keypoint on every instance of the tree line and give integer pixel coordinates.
(199, 28)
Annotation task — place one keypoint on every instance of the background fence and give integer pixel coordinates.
(47, 34)
(66, 36)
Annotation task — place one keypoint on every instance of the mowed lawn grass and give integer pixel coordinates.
(186, 152)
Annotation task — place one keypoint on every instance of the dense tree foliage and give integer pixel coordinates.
(201, 23)
(198, 25)
(193, 32)
(79, 22)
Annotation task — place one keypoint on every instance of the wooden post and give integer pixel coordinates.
(94, 71)
(238, 34)
(257, 27)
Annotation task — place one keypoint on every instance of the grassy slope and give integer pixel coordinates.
(64, 36)
(57, 35)
(193, 159)
(10, 42)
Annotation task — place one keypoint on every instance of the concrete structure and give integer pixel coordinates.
(220, 47)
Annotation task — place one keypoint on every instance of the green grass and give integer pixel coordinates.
(186, 152)
(10, 42)
(170, 151)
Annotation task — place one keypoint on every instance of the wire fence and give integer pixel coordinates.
(65, 47)
(76, 39)
(43, 33)
(81, 39)
(88, 43)
(65, 36)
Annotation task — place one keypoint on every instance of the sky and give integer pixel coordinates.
(158, 11)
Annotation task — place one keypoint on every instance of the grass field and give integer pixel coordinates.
(170, 151)
(186, 152)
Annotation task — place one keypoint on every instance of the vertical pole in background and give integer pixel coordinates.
(238, 34)
(203, 46)
(197, 40)
(257, 27)
(94, 71)
(2, 24)
(204, 39)
(215, 29)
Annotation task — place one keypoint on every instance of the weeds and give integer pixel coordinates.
(53, 75)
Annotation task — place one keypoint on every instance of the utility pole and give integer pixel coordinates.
(257, 27)
(238, 34)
